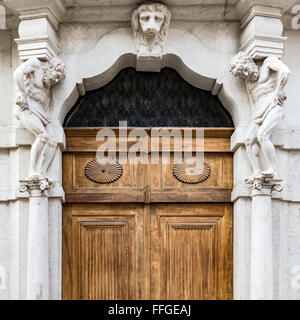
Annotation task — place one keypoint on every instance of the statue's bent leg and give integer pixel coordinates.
(47, 156)
(264, 138)
(252, 147)
(33, 124)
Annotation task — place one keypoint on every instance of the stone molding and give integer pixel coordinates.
(260, 46)
(42, 47)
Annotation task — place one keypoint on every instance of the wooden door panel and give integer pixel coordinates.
(129, 188)
(107, 253)
(104, 253)
(147, 182)
(191, 253)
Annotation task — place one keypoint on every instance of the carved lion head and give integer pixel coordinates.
(150, 24)
(55, 73)
(243, 65)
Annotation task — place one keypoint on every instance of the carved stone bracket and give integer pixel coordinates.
(36, 187)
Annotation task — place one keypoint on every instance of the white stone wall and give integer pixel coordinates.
(286, 214)
(6, 81)
(5, 119)
(292, 60)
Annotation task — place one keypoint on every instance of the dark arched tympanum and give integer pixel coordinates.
(146, 99)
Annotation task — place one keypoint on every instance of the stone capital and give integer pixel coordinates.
(265, 185)
(36, 187)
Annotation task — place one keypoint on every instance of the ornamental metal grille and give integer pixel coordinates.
(146, 99)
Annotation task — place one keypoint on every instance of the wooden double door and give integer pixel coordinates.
(147, 235)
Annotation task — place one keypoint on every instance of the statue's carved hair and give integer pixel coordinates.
(243, 65)
(55, 73)
(151, 7)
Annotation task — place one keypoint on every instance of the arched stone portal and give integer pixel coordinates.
(147, 100)
(203, 68)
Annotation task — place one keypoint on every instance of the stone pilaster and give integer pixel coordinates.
(261, 268)
(38, 238)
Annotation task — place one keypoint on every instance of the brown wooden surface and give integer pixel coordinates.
(145, 183)
(191, 254)
(216, 139)
(147, 235)
(105, 252)
(155, 251)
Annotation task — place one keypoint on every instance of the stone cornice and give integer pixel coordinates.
(122, 13)
(120, 10)
(243, 6)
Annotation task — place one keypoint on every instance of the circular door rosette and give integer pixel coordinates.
(192, 173)
(103, 171)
